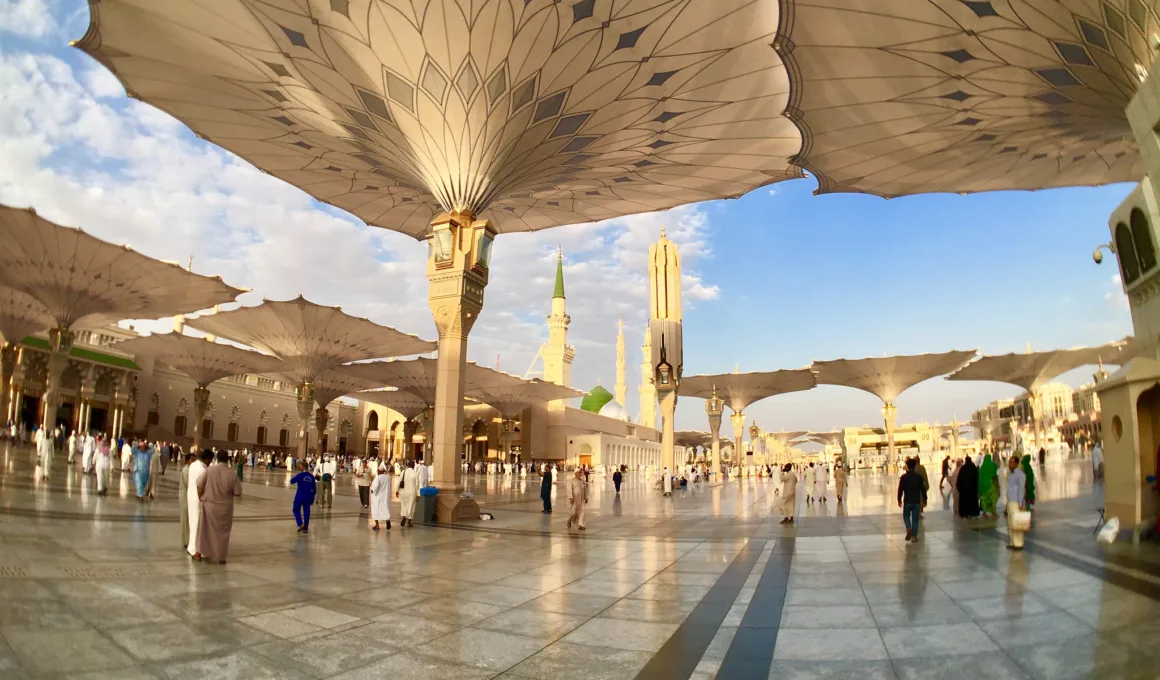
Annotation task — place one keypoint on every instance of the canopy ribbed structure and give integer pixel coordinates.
(203, 361)
(531, 114)
(787, 437)
(21, 315)
(510, 399)
(310, 338)
(888, 377)
(832, 438)
(1031, 370)
(80, 278)
(331, 385)
(404, 403)
(692, 438)
(739, 390)
(418, 377)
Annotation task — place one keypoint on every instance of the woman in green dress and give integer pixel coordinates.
(1029, 471)
(988, 487)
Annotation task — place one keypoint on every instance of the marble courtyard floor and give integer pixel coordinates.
(705, 584)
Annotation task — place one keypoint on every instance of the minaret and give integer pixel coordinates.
(648, 391)
(557, 354)
(664, 284)
(621, 386)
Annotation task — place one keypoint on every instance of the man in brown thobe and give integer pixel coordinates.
(577, 498)
(217, 489)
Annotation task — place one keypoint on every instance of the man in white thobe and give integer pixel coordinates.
(381, 499)
(809, 476)
(45, 449)
(407, 493)
(820, 481)
(89, 453)
(72, 449)
(577, 499)
(101, 463)
(195, 471)
(126, 457)
(424, 473)
(668, 482)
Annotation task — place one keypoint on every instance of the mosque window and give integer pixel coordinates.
(373, 421)
(1142, 238)
(283, 437)
(261, 435)
(179, 426)
(232, 432)
(1129, 265)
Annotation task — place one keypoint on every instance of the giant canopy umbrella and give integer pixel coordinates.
(511, 398)
(888, 377)
(420, 377)
(328, 386)
(20, 315)
(205, 362)
(462, 120)
(82, 280)
(1032, 370)
(404, 403)
(739, 390)
(310, 339)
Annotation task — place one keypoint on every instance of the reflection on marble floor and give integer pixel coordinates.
(98, 587)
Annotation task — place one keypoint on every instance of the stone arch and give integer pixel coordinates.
(372, 421)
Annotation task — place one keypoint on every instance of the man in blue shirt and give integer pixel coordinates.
(303, 497)
(911, 498)
(1016, 501)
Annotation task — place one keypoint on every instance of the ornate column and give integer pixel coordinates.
(60, 342)
(409, 428)
(304, 404)
(737, 419)
(87, 392)
(888, 414)
(668, 400)
(508, 429)
(427, 424)
(200, 406)
(9, 358)
(321, 421)
(457, 272)
(1034, 402)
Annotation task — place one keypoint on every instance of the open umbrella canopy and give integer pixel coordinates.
(418, 377)
(739, 390)
(21, 315)
(509, 399)
(203, 361)
(310, 338)
(330, 385)
(1031, 370)
(888, 377)
(79, 278)
(404, 403)
(532, 114)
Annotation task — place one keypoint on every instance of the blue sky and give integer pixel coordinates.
(775, 279)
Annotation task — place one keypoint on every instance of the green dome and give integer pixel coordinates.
(596, 399)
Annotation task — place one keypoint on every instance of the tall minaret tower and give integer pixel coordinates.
(664, 285)
(648, 391)
(621, 386)
(558, 354)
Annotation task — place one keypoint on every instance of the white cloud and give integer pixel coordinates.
(73, 147)
(30, 18)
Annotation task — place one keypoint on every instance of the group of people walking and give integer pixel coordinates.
(816, 480)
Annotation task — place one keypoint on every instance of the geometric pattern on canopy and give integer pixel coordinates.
(21, 315)
(331, 385)
(203, 361)
(831, 438)
(531, 113)
(739, 390)
(888, 377)
(1030, 370)
(308, 337)
(80, 278)
(692, 438)
(919, 96)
